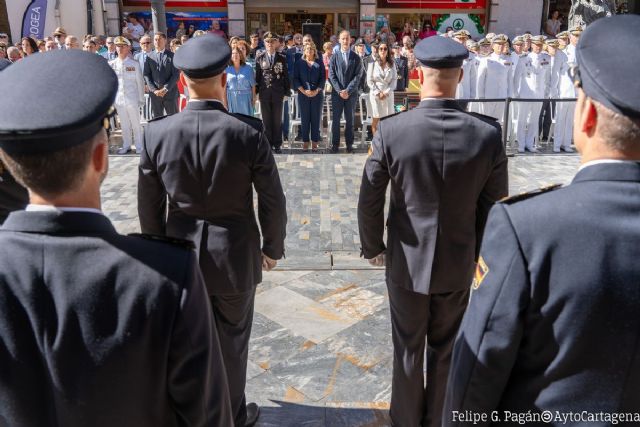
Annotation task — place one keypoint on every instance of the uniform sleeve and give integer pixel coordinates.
(152, 197)
(258, 75)
(197, 379)
(495, 188)
(286, 82)
(489, 338)
(373, 190)
(482, 80)
(272, 205)
(140, 84)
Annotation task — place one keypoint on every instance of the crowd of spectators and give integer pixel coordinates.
(387, 64)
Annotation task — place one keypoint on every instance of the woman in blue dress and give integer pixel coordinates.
(308, 81)
(241, 85)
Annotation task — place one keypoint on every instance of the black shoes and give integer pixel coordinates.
(350, 150)
(277, 150)
(253, 412)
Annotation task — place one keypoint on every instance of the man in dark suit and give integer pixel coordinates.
(345, 72)
(206, 161)
(161, 77)
(272, 86)
(446, 167)
(553, 326)
(96, 328)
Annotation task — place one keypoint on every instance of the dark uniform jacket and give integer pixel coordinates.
(553, 320)
(272, 78)
(446, 167)
(206, 161)
(366, 60)
(13, 196)
(159, 73)
(99, 329)
(402, 69)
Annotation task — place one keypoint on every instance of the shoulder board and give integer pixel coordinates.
(529, 194)
(482, 116)
(187, 244)
(391, 115)
(250, 120)
(155, 119)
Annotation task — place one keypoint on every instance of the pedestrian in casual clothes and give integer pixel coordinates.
(381, 79)
(241, 85)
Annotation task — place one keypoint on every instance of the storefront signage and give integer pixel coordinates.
(432, 4)
(177, 3)
(34, 19)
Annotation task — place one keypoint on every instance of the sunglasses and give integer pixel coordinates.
(382, 48)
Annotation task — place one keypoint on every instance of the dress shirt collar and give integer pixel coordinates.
(49, 208)
(606, 161)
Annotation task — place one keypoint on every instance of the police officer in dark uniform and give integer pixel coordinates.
(272, 86)
(552, 325)
(446, 168)
(205, 161)
(97, 329)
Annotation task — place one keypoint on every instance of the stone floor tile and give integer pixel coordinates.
(301, 315)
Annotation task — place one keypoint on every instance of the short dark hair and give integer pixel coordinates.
(161, 34)
(620, 132)
(54, 173)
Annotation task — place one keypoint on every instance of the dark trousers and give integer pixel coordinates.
(418, 320)
(338, 105)
(310, 114)
(285, 120)
(544, 124)
(233, 316)
(160, 104)
(271, 111)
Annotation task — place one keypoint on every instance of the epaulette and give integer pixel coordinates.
(529, 194)
(250, 120)
(157, 118)
(187, 244)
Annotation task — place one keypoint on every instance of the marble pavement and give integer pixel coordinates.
(321, 342)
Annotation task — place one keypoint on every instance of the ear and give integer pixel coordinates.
(100, 156)
(589, 118)
(223, 80)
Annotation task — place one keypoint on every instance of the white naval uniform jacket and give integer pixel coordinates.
(130, 82)
(495, 77)
(533, 75)
(467, 87)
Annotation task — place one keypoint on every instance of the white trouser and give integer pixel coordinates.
(129, 115)
(528, 117)
(564, 125)
(494, 109)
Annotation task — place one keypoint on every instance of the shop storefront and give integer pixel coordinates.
(441, 14)
(199, 14)
(288, 16)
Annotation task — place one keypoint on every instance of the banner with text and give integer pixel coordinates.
(34, 19)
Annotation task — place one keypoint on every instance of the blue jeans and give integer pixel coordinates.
(310, 113)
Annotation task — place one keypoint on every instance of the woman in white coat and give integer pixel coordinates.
(381, 78)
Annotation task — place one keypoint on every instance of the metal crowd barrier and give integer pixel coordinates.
(412, 99)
